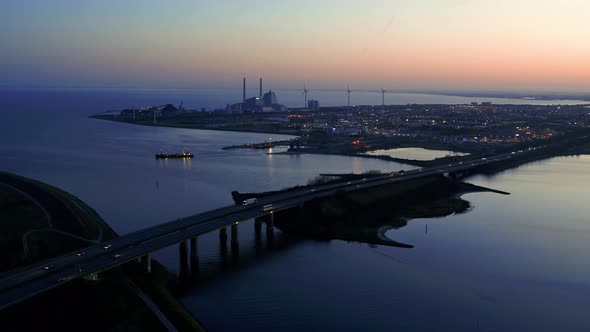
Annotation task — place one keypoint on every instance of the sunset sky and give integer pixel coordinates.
(419, 44)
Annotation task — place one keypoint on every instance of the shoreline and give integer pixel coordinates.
(473, 152)
(418, 163)
(236, 130)
(382, 230)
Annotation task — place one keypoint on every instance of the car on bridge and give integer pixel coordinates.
(249, 201)
(66, 278)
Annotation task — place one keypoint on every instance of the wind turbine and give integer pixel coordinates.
(348, 91)
(305, 91)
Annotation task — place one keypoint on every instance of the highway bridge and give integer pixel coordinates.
(19, 285)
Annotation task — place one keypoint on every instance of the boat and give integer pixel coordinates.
(183, 154)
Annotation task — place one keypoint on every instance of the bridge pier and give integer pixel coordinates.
(183, 264)
(270, 223)
(223, 234)
(146, 262)
(257, 226)
(234, 235)
(223, 253)
(194, 255)
(235, 244)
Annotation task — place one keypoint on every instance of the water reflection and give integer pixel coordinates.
(252, 248)
(163, 163)
(186, 163)
(271, 168)
(357, 166)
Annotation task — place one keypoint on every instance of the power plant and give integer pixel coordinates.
(305, 91)
(348, 92)
(261, 103)
(244, 95)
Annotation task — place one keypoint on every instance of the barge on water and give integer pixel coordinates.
(183, 154)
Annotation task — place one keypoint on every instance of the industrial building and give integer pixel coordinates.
(261, 103)
(313, 105)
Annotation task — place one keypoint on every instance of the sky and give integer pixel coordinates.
(503, 45)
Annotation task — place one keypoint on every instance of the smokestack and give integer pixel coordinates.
(261, 87)
(244, 91)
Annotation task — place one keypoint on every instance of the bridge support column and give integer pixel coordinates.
(223, 234)
(234, 235)
(270, 223)
(146, 261)
(195, 255)
(257, 226)
(183, 264)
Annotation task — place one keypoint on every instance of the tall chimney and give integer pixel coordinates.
(244, 91)
(261, 87)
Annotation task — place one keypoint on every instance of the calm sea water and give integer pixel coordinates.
(517, 262)
(113, 99)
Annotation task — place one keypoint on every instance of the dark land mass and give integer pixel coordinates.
(575, 142)
(61, 216)
(39, 222)
(82, 305)
(479, 130)
(360, 215)
(239, 197)
(251, 123)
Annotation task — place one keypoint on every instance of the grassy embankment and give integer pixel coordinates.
(24, 222)
(159, 285)
(106, 304)
(14, 206)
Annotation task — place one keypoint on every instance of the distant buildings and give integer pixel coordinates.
(166, 110)
(313, 105)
